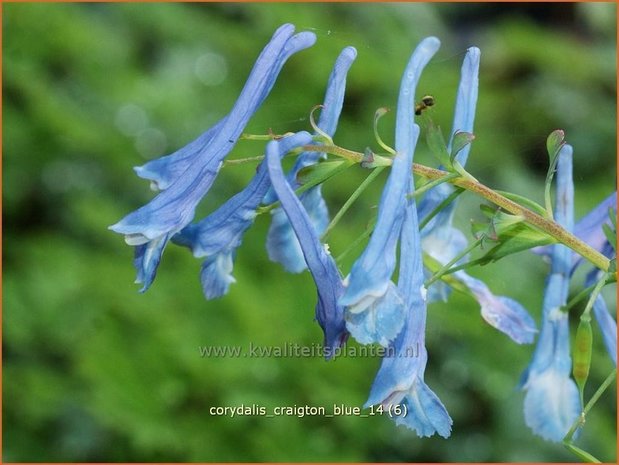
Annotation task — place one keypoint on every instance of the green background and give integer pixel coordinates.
(95, 371)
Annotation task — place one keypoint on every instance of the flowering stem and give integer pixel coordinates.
(355, 195)
(543, 224)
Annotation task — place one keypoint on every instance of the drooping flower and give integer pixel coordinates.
(188, 174)
(590, 230)
(442, 241)
(375, 310)
(552, 403)
(329, 314)
(400, 379)
(218, 235)
(282, 245)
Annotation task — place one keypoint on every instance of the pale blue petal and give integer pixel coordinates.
(165, 170)
(503, 313)
(425, 413)
(322, 267)
(282, 244)
(371, 273)
(466, 100)
(171, 210)
(146, 260)
(551, 404)
(216, 274)
(381, 321)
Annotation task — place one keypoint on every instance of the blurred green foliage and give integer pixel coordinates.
(94, 371)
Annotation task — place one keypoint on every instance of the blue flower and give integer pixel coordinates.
(375, 310)
(552, 403)
(590, 230)
(329, 314)
(439, 238)
(400, 379)
(282, 245)
(443, 242)
(188, 175)
(219, 235)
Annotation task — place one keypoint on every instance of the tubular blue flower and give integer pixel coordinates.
(443, 242)
(552, 403)
(375, 311)
(219, 235)
(439, 238)
(400, 378)
(282, 245)
(151, 226)
(329, 314)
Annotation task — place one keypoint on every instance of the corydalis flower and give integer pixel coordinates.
(443, 242)
(552, 404)
(329, 313)
(400, 379)
(375, 309)
(188, 175)
(282, 245)
(218, 235)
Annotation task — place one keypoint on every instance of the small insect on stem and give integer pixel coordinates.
(426, 102)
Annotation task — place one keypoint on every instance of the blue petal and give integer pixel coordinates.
(425, 413)
(503, 313)
(381, 321)
(608, 327)
(165, 170)
(171, 210)
(282, 245)
(466, 100)
(551, 404)
(216, 274)
(146, 260)
(371, 273)
(222, 231)
(606, 322)
(326, 275)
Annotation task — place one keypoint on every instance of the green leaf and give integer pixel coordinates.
(436, 142)
(515, 240)
(611, 235)
(555, 141)
(320, 172)
(460, 140)
(524, 202)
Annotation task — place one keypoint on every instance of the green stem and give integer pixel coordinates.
(355, 195)
(440, 206)
(445, 269)
(429, 185)
(541, 223)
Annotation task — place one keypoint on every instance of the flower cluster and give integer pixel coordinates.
(368, 304)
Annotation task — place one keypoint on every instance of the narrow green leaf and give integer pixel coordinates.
(315, 174)
(437, 145)
(555, 141)
(610, 234)
(525, 202)
(460, 140)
